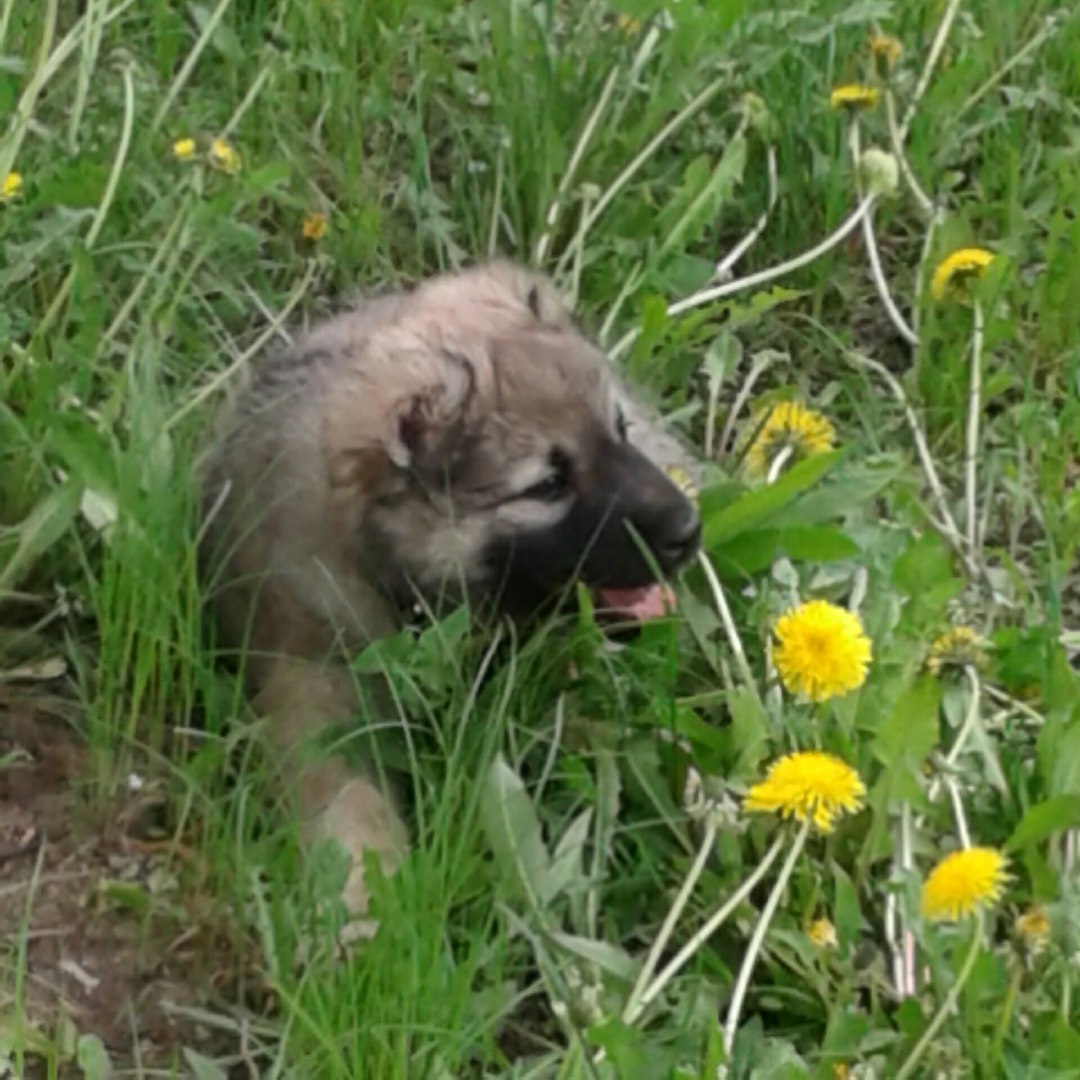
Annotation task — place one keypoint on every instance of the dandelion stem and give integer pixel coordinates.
(951, 998)
(118, 162)
(971, 459)
(892, 939)
(928, 244)
(778, 463)
(971, 718)
(958, 812)
(925, 203)
(189, 64)
(631, 282)
(552, 217)
(928, 68)
(878, 274)
(223, 377)
(579, 256)
(762, 277)
(1048, 31)
(102, 211)
(728, 622)
(947, 524)
(907, 936)
(677, 906)
(678, 962)
(761, 363)
(1004, 1020)
(496, 202)
(249, 99)
(742, 984)
(722, 272)
(616, 186)
(870, 240)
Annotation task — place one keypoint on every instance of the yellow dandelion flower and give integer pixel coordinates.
(822, 933)
(821, 650)
(684, 482)
(792, 427)
(957, 268)
(628, 24)
(962, 882)
(853, 96)
(224, 156)
(887, 48)
(11, 187)
(956, 648)
(808, 786)
(183, 149)
(314, 227)
(840, 1071)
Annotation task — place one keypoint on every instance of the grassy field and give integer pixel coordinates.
(565, 797)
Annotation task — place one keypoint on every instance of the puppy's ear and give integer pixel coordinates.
(426, 425)
(371, 446)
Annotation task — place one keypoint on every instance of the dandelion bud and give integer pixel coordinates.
(879, 172)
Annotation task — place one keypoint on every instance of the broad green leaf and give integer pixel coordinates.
(1044, 819)
(839, 495)
(817, 544)
(1059, 756)
(757, 506)
(847, 1028)
(654, 322)
(567, 866)
(846, 914)
(610, 958)
(43, 527)
(749, 731)
(911, 731)
(705, 206)
(513, 830)
(202, 1068)
(755, 550)
(92, 1058)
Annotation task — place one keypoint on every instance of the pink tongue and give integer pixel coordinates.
(647, 602)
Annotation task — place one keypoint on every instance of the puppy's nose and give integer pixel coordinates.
(677, 542)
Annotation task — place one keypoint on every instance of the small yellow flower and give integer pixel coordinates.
(628, 24)
(314, 227)
(957, 268)
(11, 186)
(684, 482)
(962, 882)
(887, 48)
(822, 650)
(183, 149)
(1033, 929)
(822, 933)
(808, 786)
(956, 648)
(853, 96)
(224, 156)
(788, 425)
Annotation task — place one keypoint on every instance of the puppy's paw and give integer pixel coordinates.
(362, 819)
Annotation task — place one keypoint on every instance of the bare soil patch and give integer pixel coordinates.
(115, 946)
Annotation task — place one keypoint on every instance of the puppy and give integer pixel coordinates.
(463, 441)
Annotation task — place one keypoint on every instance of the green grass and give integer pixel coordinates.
(433, 133)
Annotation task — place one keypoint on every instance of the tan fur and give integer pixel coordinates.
(318, 453)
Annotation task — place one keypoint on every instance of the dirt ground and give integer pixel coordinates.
(114, 946)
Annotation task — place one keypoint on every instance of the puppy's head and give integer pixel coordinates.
(502, 462)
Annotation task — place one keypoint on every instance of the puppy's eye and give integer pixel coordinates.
(621, 427)
(555, 485)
